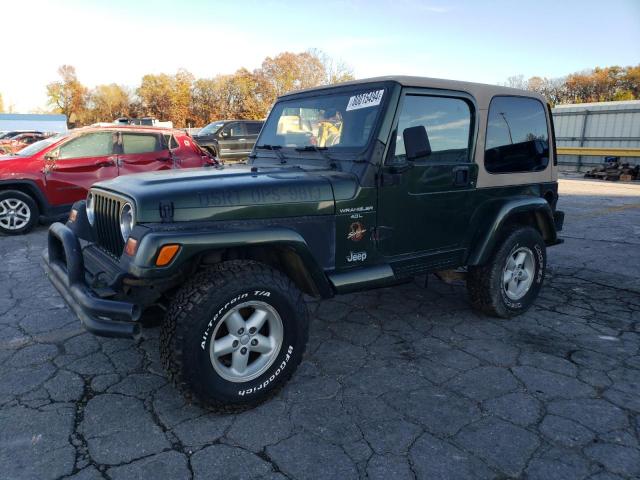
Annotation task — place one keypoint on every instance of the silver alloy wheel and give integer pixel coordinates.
(14, 214)
(518, 274)
(246, 342)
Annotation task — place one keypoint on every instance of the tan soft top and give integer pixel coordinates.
(480, 91)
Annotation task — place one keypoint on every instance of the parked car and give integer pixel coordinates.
(229, 140)
(350, 187)
(12, 133)
(18, 142)
(46, 177)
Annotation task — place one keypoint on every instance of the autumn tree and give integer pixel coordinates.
(67, 95)
(167, 97)
(181, 98)
(105, 103)
(291, 71)
(597, 85)
(335, 70)
(206, 99)
(630, 81)
(156, 92)
(553, 89)
(185, 100)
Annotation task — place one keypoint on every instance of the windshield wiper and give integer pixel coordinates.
(275, 149)
(321, 150)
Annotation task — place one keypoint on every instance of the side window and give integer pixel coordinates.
(517, 136)
(253, 128)
(133, 143)
(90, 145)
(170, 142)
(236, 129)
(447, 122)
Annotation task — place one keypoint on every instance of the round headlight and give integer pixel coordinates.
(90, 208)
(127, 220)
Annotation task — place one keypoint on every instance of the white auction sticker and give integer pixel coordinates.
(364, 100)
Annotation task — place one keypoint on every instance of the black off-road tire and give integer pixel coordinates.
(191, 320)
(34, 212)
(485, 282)
(213, 151)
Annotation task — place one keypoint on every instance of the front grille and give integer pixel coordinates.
(107, 223)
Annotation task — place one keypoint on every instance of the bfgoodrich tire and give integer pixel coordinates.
(508, 284)
(18, 212)
(234, 334)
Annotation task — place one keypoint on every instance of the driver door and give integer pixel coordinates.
(71, 169)
(425, 203)
(233, 141)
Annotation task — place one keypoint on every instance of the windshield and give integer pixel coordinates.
(211, 128)
(38, 146)
(337, 121)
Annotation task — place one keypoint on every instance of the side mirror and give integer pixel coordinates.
(224, 134)
(416, 142)
(53, 155)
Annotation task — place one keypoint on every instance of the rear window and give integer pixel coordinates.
(517, 136)
(133, 143)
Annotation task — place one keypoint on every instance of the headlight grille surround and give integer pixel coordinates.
(127, 220)
(90, 208)
(106, 227)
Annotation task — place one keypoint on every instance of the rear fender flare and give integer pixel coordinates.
(500, 214)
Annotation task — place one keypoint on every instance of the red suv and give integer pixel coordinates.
(45, 178)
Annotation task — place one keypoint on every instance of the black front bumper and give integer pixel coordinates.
(64, 265)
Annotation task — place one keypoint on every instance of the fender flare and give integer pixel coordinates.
(500, 212)
(193, 243)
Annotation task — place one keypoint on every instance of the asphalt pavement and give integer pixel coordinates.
(403, 382)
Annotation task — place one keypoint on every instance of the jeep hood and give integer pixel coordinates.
(233, 193)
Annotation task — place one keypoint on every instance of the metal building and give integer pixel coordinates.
(609, 125)
(31, 121)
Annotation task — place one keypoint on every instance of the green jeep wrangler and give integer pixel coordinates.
(349, 187)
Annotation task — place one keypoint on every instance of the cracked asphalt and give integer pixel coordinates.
(404, 382)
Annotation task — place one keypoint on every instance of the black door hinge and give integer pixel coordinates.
(166, 212)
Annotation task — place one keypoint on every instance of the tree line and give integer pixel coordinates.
(605, 84)
(189, 101)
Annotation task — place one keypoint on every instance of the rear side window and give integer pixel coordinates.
(90, 145)
(253, 128)
(133, 143)
(447, 122)
(170, 142)
(235, 130)
(517, 136)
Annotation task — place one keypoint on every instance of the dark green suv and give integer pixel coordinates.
(351, 187)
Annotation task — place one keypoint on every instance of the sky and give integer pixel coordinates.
(484, 41)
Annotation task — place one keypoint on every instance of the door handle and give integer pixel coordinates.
(107, 162)
(461, 176)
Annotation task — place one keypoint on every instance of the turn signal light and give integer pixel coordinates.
(132, 247)
(166, 254)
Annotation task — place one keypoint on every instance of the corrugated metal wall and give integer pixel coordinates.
(606, 124)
